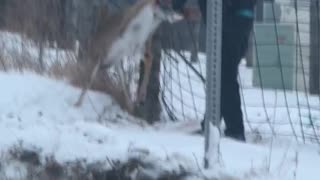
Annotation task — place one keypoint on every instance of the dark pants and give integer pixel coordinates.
(236, 31)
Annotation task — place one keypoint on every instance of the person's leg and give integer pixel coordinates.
(234, 45)
(230, 97)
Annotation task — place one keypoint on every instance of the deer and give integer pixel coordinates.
(123, 34)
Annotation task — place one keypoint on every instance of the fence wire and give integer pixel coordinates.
(270, 111)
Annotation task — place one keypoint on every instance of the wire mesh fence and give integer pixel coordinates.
(274, 77)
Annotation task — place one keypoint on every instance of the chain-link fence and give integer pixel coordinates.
(276, 77)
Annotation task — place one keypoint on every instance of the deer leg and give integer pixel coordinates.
(142, 91)
(89, 84)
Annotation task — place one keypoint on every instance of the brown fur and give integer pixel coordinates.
(147, 65)
(108, 29)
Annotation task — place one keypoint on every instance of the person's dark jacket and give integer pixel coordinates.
(240, 7)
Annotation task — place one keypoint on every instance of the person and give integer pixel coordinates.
(237, 23)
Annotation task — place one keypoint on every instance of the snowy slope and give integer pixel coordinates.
(38, 113)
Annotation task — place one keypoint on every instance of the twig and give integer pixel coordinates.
(198, 165)
(87, 87)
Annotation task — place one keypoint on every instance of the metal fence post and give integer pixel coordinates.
(213, 82)
(314, 81)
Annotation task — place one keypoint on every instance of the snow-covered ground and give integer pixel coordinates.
(38, 113)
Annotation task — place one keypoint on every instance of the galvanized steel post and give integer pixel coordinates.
(213, 75)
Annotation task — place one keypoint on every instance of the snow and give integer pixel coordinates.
(38, 113)
(41, 112)
(212, 152)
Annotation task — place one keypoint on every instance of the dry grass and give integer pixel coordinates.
(109, 82)
(78, 75)
(14, 60)
(23, 56)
